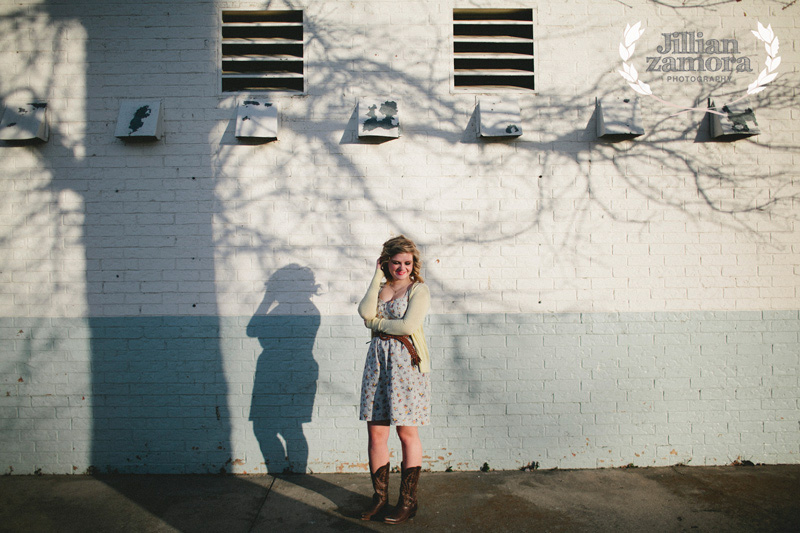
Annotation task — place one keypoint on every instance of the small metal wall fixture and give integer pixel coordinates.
(618, 118)
(140, 120)
(739, 123)
(499, 118)
(256, 119)
(378, 117)
(26, 122)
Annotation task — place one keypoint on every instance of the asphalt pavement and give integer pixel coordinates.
(693, 499)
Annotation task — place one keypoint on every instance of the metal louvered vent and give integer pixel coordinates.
(493, 49)
(262, 51)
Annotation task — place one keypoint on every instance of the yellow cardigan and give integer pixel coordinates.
(419, 301)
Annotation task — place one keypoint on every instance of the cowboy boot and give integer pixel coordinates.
(407, 503)
(380, 483)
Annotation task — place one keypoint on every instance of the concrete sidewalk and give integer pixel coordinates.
(730, 499)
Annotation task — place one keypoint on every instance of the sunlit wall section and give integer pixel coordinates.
(596, 302)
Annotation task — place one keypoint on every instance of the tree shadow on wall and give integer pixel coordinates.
(286, 325)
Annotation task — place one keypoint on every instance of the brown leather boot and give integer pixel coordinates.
(407, 503)
(380, 483)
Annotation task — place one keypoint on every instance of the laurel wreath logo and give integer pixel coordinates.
(631, 75)
(772, 62)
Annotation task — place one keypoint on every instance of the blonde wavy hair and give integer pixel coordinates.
(401, 245)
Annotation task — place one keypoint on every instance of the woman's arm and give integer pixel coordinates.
(369, 304)
(418, 306)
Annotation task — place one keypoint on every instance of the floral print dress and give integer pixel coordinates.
(391, 388)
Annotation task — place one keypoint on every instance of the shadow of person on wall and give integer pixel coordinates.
(286, 325)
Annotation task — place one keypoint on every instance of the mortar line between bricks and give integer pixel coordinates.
(261, 507)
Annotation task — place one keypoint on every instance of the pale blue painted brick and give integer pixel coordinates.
(526, 341)
(524, 318)
(721, 349)
(450, 388)
(492, 341)
(496, 329)
(599, 385)
(610, 395)
(531, 362)
(464, 421)
(343, 320)
(751, 325)
(502, 375)
(327, 332)
(566, 385)
(781, 315)
(49, 401)
(600, 317)
(109, 345)
(636, 384)
(120, 332)
(481, 432)
(635, 339)
(32, 322)
(563, 318)
(504, 444)
(570, 328)
(635, 328)
(607, 328)
(495, 397)
(781, 338)
(557, 340)
(753, 337)
(637, 317)
(488, 318)
(476, 386)
(525, 430)
(782, 407)
(681, 394)
(562, 408)
(716, 326)
(564, 430)
(681, 326)
(534, 396)
(537, 329)
(599, 340)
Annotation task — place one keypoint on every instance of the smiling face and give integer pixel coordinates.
(400, 266)
(403, 250)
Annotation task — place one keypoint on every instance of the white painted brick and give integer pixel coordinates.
(529, 251)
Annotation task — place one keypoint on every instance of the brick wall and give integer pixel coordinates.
(581, 390)
(594, 303)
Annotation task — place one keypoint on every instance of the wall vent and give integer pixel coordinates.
(493, 49)
(262, 51)
(140, 120)
(739, 123)
(25, 122)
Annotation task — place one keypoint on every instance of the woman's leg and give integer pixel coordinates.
(378, 448)
(378, 445)
(412, 463)
(412, 446)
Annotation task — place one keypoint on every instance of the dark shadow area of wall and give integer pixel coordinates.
(160, 396)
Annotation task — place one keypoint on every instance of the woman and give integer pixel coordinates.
(395, 390)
